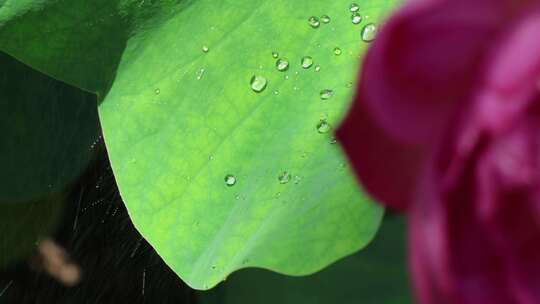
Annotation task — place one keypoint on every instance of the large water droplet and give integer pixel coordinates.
(354, 7)
(282, 64)
(275, 55)
(325, 19)
(314, 22)
(230, 180)
(337, 51)
(356, 18)
(307, 62)
(258, 83)
(323, 127)
(284, 177)
(326, 94)
(369, 32)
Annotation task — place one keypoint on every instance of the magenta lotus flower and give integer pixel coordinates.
(446, 127)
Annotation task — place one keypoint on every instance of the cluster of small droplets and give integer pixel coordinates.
(315, 22)
(259, 83)
(369, 30)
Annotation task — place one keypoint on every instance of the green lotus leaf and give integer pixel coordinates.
(223, 160)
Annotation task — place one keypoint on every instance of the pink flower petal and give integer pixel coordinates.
(387, 168)
(423, 65)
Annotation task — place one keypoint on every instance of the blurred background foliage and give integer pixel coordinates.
(49, 131)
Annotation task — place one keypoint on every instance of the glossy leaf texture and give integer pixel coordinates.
(48, 133)
(223, 161)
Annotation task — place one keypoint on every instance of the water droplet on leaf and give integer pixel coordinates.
(323, 127)
(230, 180)
(307, 62)
(354, 7)
(337, 51)
(275, 55)
(356, 18)
(282, 64)
(317, 68)
(314, 22)
(157, 91)
(205, 49)
(200, 74)
(258, 83)
(326, 94)
(369, 32)
(284, 177)
(325, 19)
